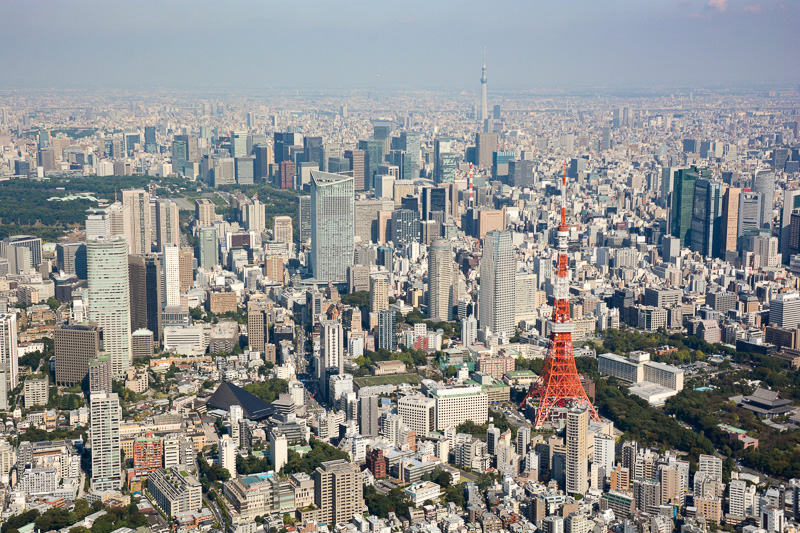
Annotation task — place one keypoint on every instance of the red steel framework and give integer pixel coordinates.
(559, 384)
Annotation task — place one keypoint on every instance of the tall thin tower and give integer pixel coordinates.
(559, 385)
(484, 105)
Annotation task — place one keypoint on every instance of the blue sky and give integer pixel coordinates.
(399, 44)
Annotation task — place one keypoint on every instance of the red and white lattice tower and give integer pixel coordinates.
(559, 384)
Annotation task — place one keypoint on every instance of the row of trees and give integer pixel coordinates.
(310, 461)
(268, 390)
(58, 518)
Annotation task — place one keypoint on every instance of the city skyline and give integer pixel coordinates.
(617, 44)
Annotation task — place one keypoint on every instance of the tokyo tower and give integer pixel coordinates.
(559, 385)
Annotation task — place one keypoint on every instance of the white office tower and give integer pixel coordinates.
(469, 330)
(784, 310)
(238, 144)
(331, 346)
(105, 415)
(741, 498)
(227, 454)
(440, 281)
(764, 184)
(235, 415)
(98, 224)
(9, 374)
(278, 449)
(418, 413)
(602, 459)
(109, 297)
(497, 300)
(172, 282)
(771, 518)
(140, 236)
(254, 216)
(332, 225)
(523, 440)
(577, 450)
(167, 224)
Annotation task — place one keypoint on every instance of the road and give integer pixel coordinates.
(212, 506)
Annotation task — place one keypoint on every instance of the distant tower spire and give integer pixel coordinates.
(484, 105)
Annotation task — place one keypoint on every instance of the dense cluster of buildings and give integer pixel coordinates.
(421, 246)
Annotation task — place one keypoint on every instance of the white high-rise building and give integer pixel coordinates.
(105, 416)
(523, 440)
(440, 281)
(9, 373)
(419, 413)
(227, 454)
(456, 405)
(469, 330)
(331, 346)
(784, 310)
(711, 466)
(98, 224)
(172, 281)
(497, 298)
(278, 449)
(140, 236)
(602, 459)
(254, 216)
(764, 184)
(741, 498)
(109, 297)
(167, 224)
(332, 225)
(577, 450)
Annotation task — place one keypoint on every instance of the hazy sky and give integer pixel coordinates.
(398, 44)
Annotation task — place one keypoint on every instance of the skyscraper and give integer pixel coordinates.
(368, 416)
(749, 214)
(338, 491)
(577, 450)
(238, 144)
(707, 220)
(71, 258)
(146, 293)
(357, 160)
(172, 284)
(75, 345)
(730, 207)
(764, 183)
(9, 373)
(140, 233)
(485, 145)
(303, 218)
(167, 224)
(386, 337)
(791, 201)
(682, 202)
(378, 293)
(109, 297)
(208, 248)
(282, 229)
(484, 115)
(204, 212)
(440, 281)
(332, 226)
(105, 416)
(186, 269)
(331, 347)
(497, 270)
